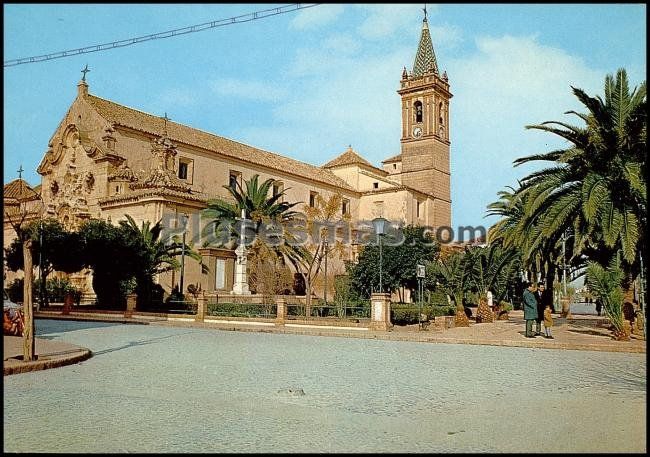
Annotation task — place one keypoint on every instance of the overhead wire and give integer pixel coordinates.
(155, 36)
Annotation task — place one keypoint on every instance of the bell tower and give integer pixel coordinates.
(425, 128)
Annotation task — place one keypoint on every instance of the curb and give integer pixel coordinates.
(36, 365)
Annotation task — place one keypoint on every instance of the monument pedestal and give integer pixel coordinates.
(380, 312)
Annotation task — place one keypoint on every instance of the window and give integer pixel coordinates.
(418, 206)
(394, 166)
(278, 187)
(418, 111)
(185, 169)
(345, 207)
(117, 189)
(440, 114)
(182, 170)
(220, 282)
(375, 185)
(235, 177)
(312, 199)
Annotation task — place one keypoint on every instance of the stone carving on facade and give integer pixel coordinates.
(162, 173)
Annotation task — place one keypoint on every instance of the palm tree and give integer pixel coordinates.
(451, 276)
(255, 200)
(596, 188)
(518, 231)
(490, 268)
(263, 210)
(155, 256)
(606, 284)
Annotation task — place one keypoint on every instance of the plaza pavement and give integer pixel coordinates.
(581, 332)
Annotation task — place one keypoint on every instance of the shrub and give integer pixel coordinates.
(241, 310)
(407, 313)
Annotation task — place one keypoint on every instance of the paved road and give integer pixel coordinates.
(165, 389)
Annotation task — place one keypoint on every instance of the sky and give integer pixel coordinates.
(308, 83)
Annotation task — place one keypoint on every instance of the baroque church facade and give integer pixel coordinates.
(106, 160)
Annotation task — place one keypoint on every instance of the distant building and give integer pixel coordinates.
(106, 160)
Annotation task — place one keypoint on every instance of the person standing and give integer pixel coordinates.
(541, 297)
(599, 305)
(530, 308)
(548, 321)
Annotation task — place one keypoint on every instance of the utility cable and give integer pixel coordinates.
(193, 28)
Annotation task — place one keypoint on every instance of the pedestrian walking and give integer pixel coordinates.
(548, 321)
(599, 305)
(530, 308)
(540, 297)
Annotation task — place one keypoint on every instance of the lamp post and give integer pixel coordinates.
(379, 224)
(40, 266)
(325, 247)
(566, 305)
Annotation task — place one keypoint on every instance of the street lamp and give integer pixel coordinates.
(379, 224)
(325, 247)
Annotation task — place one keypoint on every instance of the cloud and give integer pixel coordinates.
(508, 83)
(174, 97)
(445, 36)
(342, 45)
(384, 20)
(254, 90)
(316, 17)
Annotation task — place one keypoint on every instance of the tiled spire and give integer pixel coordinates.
(425, 59)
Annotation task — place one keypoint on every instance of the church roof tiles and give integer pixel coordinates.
(425, 59)
(349, 157)
(144, 122)
(19, 189)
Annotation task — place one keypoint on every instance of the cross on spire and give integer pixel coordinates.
(166, 119)
(20, 172)
(425, 11)
(84, 71)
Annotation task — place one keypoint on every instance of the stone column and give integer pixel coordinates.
(380, 312)
(201, 307)
(281, 311)
(241, 280)
(131, 300)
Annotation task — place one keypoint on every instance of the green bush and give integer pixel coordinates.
(241, 310)
(407, 313)
(505, 306)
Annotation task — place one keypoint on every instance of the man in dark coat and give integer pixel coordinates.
(541, 296)
(530, 308)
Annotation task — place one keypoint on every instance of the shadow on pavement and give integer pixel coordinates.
(137, 343)
(46, 326)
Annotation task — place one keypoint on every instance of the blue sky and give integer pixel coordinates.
(307, 83)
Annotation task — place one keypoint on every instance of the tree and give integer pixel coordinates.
(490, 268)
(109, 252)
(263, 210)
(321, 222)
(16, 219)
(411, 245)
(61, 250)
(606, 285)
(595, 190)
(152, 254)
(451, 276)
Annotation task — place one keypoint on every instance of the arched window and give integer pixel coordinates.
(418, 111)
(440, 114)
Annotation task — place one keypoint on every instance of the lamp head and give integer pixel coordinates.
(380, 225)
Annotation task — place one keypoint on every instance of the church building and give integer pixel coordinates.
(106, 160)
